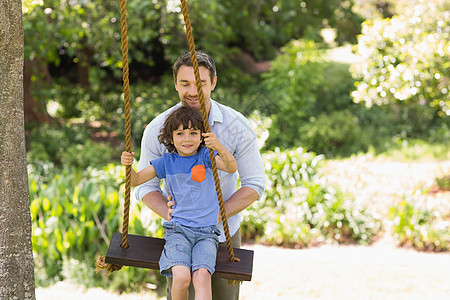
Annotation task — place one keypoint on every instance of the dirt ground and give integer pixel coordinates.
(379, 271)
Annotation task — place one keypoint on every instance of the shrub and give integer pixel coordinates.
(443, 182)
(406, 61)
(73, 216)
(299, 208)
(312, 106)
(67, 144)
(420, 227)
(335, 134)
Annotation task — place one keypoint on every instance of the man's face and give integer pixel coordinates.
(187, 88)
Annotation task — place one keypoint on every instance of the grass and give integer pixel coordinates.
(417, 150)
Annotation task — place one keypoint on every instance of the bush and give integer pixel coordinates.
(299, 208)
(88, 154)
(312, 106)
(419, 227)
(334, 134)
(406, 61)
(73, 216)
(67, 144)
(443, 182)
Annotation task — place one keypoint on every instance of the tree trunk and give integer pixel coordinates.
(84, 64)
(16, 256)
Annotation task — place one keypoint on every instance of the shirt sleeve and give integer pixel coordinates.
(248, 158)
(205, 156)
(159, 165)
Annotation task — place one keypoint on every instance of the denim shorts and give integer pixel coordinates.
(193, 247)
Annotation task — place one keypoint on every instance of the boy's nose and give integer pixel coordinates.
(187, 137)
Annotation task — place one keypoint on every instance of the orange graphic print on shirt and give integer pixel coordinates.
(198, 173)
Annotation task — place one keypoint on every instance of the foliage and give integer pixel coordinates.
(299, 208)
(420, 227)
(334, 134)
(311, 106)
(80, 40)
(158, 26)
(311, 103)
(73, 217)
(415, 150)
(443, 182)
(66, 144)
(406, 60)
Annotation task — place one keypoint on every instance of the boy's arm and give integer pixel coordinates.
(140, 177)
(225, 160)
(143, 175)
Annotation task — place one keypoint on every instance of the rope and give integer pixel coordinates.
(126, 93)
(207, 128)
(100, 263)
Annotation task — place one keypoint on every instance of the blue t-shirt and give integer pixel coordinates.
(191, 182)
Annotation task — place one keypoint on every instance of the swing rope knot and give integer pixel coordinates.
(102, 266)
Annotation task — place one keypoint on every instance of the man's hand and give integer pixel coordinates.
(170, 204)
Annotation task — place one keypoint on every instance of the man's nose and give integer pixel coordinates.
(192, 89)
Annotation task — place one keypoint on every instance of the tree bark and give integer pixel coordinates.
(16, 256)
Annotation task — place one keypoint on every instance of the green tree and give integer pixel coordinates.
(310, 102)
(406, 60)
(80, 40)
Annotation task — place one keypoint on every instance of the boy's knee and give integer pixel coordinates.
(181, 277)
(201, 273)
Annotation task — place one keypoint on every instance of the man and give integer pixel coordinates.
(233, 131)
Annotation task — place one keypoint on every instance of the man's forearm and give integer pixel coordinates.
(157, 203)
(240, 200)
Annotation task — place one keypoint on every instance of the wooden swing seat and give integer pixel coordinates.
(144, 252)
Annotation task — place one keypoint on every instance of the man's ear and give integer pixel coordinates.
(213, 84)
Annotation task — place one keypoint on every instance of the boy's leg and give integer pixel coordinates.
(169, 289)
(176, 249)
(180, 282)
(201, 280)
(220, 288)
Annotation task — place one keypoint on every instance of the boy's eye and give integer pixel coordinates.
(179, 133)
(194, 133)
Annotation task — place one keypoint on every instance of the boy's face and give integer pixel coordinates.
(187, 87)
(186, 141)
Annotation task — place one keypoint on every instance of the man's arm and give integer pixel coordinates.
(240, 200)
(157, 203)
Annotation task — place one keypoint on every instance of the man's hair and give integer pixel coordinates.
(203, 59)
(189, 117)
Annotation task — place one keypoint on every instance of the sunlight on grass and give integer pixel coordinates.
(417, 150)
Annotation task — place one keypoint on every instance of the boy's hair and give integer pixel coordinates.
(203, 59)
(188, 117)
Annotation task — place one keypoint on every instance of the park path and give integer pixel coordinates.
(330, 272)
(348, 272)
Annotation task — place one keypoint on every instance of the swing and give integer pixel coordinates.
(144, 252)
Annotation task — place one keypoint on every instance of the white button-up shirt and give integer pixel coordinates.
(234, 132)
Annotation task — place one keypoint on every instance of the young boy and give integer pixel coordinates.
(191, 234)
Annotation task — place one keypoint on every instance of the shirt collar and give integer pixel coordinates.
(215, 114)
